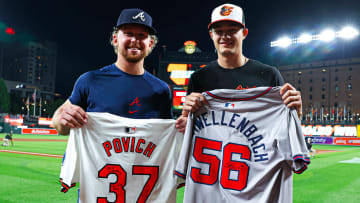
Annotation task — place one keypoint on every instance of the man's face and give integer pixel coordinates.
(227, 37)
(133, 42)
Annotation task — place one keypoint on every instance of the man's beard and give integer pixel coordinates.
(133, 58)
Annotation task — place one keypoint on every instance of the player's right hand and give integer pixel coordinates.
(180, 124)
(193, 103)
(72, 116)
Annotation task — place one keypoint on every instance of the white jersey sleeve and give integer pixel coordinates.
(118, 159)
(70, 174)
(243, 146)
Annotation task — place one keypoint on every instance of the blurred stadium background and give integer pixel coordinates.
(323, 65)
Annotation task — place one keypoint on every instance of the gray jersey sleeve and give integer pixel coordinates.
(181, 167)
(299, 151)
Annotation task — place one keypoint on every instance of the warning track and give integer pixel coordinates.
(32, 153)
(322, 151)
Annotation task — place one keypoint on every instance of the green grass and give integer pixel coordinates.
(26, 178)
(57, 148)
(20, 136)
(327, 180)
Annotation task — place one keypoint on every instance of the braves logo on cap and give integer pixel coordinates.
(139, 15)
(226, 10)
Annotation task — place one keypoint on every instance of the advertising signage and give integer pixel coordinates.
(330, 130)
(322, 140)
(347, 141)
(39, 131)
(352, 141)
(178, 74)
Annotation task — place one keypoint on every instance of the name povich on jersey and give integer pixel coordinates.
(129, 144)
(238, 122)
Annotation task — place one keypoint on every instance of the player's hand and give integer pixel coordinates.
(291, 97)
(193, 103)
(180, 124)
(72, 116)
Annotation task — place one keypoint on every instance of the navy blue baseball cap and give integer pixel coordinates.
(135, 16)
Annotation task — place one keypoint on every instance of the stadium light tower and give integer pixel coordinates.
(348, 33)
(304, 38)
(327, 35)
(282, 42)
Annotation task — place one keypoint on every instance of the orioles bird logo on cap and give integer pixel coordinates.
(226, 10)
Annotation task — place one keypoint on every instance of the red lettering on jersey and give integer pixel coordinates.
(138, 149)
(107, 147)
(149, 149)
(117, 145)
(126, 143)
(240, 87)
(132, 144)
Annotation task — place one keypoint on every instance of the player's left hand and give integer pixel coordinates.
(292, 97)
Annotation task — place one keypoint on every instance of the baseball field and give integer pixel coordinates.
(29, 172)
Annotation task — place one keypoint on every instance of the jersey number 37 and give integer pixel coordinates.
(118, 186)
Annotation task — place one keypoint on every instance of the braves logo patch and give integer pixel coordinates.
(133, 105)
(226, 10)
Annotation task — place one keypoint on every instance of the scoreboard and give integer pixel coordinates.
(177, 76)
(176, 67)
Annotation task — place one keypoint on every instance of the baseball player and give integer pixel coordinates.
(118, 159)
(8, 138)
(242, 147)
(123, 88)
(232, 70)
(312, 151)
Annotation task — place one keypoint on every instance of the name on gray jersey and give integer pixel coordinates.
(234, 120)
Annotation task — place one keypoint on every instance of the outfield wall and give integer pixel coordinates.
(333, 134)
(350, 141)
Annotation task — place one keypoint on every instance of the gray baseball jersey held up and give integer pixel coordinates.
(242, 147)
(118, 159)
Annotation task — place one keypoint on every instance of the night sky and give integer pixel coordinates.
(82, 29)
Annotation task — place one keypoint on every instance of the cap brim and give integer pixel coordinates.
(152, 30)
(209, 26)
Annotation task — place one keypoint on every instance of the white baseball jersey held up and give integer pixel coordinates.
(118, 159)
(242, 147)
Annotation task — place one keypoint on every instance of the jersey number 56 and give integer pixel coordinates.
(228, 165)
